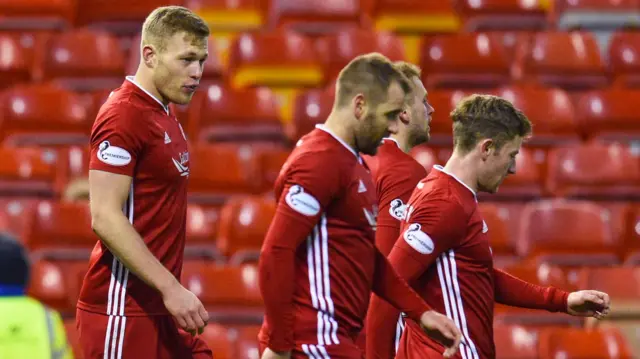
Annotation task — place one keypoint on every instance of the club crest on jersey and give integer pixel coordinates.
(302, 202)
(418, 240)
(113, 155)
(397, 209)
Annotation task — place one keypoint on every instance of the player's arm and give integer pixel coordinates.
(311, 183)
(116, 144)
(432, 229)
(515, 292)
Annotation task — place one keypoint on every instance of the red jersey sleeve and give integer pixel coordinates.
(515, 292)
(117, 140)
(433, 227)
(311, 182)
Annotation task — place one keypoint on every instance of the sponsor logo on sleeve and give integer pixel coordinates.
(302, 202)
(113, 155)
(397, 209)
(418, 240)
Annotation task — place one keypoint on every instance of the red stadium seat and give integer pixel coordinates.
(425, 156)
(73, 164)
(546, 237)
(15, 215)
(503, 14)
(221, 170)
(230, 15)
(272, 158)
(464, 60)
(19, 53)
(244, 222)
(594, 14)
(566, 60)
(632, 236)
(36, 14)
(212, 67)
(27, 171)
(43, 115)
(84, 60)
(221, 114)
(337, 50)
(515, 341)
(595, 170)
(503, 221)
(315, 17)
(578, 343)
(61, 229)
(230, 293)
(274, 59)
(219, 340)
(121, 17)
(621, 283)
(415, 17)
(202, 226)
(624, 58)
(57, 283)
(444, 101)
(550, 111)
(609, 115)
(247, 345)
(311, 107)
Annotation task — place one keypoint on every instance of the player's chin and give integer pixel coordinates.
(182, 98)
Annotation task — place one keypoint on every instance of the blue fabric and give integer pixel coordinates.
(11, 290)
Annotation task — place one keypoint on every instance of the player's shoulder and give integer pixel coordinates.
(317, 150)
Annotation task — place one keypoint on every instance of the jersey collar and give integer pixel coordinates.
(323, 128)
(131, 79)
(391, 139)
(441, 169)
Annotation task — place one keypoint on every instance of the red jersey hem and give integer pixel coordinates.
(98, 309)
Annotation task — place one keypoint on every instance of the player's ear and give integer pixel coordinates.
(149, 54)
(487, 147)
(404, 117)
(359, 106)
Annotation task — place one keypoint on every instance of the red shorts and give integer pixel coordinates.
(410, 348)
(153, 337)
(347, 349)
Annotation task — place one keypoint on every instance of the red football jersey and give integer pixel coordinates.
(324, 187)
(396, 175)
(136, 135)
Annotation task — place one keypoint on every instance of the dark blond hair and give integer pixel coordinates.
(370, 74)
(409, 70)
(479, 117)
(166, 21)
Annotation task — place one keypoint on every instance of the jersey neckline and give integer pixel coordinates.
(323, 128)
(442, 170)
(132, 80)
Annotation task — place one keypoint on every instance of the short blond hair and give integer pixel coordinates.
(408, 69)
(166, 21)
(479, 117)
(370, 74)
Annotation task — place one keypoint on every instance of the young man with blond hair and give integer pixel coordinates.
(132, 304)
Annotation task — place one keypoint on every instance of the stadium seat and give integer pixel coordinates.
(550, 110)
(624, 58)
(83, 60)
(15, 215)
(57, 283)
(621, 283)
(223, 114)
(595, 15)
(230, 15)
(503, 221)
(567, 60)
(221, 170)
(73, 164)
(37, 14)
(247, 343)
(425, 156)
(515, 341)
(61, 230)
(632, 236)
(27, 171)
(272, 158)
(315, 17)
(608, 114)
(244, 221)
(464, 60)
(274, 59)
(120, 17)
(43, 115)
(19, 54)
(595, 170)
(444, 101)
(202, 226)
(415, 17)
(230, 293)
(546, 238)
(220, 340)
(337, 50)
(212, 72)
(503, 14)
(311, 107)
(582, 344)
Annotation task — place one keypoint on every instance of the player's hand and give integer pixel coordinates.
(186, 308)
(270, 354)
(588, 303)
(442, 329)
